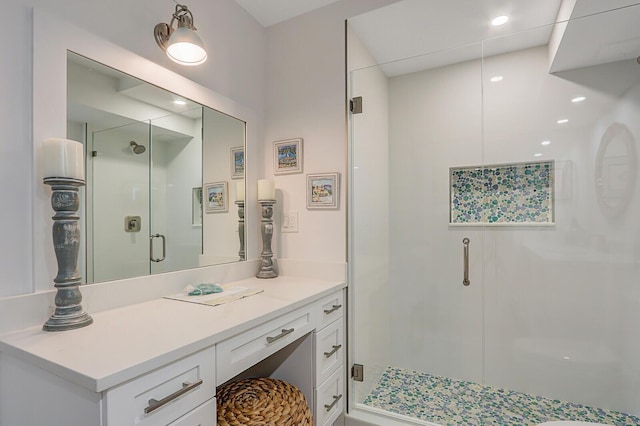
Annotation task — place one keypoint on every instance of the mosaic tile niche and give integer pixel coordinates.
(504, 194)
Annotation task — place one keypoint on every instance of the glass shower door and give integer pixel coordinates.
(176, 181)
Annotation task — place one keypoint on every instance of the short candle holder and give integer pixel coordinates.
(242, 252)
(266, 264)
(68, 313)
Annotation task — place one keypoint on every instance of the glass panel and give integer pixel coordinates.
(118, 220)
(561, 302)
(412, 311)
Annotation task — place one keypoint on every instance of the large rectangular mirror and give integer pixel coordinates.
(149, 154)
(178, 152)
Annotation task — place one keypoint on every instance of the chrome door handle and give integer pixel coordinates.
(164, 248)
(154, 404)
(465, 280)
(280, 336)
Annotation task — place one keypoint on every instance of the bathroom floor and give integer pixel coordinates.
(453, 402)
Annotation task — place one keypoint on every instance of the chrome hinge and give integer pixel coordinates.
(355, 105)
(357, 372)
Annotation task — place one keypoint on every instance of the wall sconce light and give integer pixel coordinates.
(181, 44)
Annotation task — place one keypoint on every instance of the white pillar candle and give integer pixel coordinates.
(240, 191)
(63, 158)
(266, 190)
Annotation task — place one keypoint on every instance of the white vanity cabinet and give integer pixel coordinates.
(159, 362)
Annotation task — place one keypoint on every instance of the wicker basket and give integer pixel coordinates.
(261, 402)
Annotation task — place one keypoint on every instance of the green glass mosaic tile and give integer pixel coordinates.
(450, 402)
(502, 194)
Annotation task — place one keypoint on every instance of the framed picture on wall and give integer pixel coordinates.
(287, 156)
(323, 191)
(216, 200)
(237, 162)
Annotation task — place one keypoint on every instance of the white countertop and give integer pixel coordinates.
(126, 342)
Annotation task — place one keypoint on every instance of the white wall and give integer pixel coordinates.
(235, 68)
(306, 98)
(550, 311)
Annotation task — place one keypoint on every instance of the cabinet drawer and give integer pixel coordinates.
(330, 309)
(177, 389)
(329, 399)
(204, 415)
(329, 350)
(240, 352)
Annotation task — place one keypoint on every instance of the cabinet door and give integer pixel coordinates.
(329, 399)
(330, 348)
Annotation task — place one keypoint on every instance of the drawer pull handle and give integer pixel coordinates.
(279, 336)
(333, 309)
(333, 351)
(154, 404)
(336, 398)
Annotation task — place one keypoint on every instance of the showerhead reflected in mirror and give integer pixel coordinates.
(149, 151)
(137, 148)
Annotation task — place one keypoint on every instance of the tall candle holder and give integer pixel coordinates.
(266, 264)
(68, 313)
(242, 252)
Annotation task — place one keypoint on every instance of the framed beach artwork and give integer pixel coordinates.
(237, 162)
(216, 200)
(287, 156)
(323, 191)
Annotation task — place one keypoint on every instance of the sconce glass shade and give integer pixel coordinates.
(185, 47)
(181, 45)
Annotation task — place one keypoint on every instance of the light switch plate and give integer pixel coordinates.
(289, 222)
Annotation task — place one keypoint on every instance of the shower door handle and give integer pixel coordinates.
(164, 248)
(465, 280)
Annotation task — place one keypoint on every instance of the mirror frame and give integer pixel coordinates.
(52, 38)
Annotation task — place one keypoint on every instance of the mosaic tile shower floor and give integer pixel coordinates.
(453, 402)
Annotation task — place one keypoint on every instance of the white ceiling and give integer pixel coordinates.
(451, 31)
(439, 32)
(270, 12)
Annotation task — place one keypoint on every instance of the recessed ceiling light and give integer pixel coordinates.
(179, 102)
(545, 143)
(496, 78)
(537, 155)
(578, 99)
(499, 20)
(563, 121)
